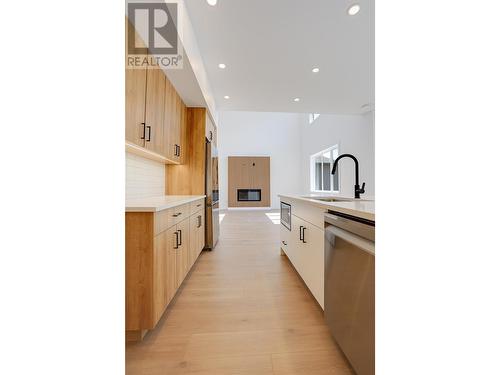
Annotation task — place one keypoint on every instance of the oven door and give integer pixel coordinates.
(286, 215)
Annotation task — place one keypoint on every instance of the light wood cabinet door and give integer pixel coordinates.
(201, 233)
(135, 106)
(154, 119)
(194, 239)
(171, 237)
(172, 123)
(182, 254)
(160, 275)
(183, 131)
(135, 97)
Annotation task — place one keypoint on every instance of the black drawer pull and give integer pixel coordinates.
(176, 240)
(143, 130)
(180, 237)
(149, 134)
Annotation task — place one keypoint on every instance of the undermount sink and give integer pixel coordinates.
(330, 199)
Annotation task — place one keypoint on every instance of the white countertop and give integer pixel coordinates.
(364, 208)
(155, 204)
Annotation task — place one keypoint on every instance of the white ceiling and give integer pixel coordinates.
(271, 46)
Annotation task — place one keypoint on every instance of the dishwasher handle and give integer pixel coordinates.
(359, 242)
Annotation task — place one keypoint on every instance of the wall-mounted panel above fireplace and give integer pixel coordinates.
(249, 195)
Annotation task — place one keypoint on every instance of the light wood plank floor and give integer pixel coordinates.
(242, 310)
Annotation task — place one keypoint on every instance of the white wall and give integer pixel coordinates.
(143, 177)
(354, 135)
(262, 134)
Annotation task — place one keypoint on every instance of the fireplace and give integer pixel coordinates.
(249, 195)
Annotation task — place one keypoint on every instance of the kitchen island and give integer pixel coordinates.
(302, 237)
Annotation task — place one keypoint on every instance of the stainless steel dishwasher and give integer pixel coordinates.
(350, 287)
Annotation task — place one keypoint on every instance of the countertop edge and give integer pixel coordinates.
(163, 206)
(337, 206)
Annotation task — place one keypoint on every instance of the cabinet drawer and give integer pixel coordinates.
(196, 206)
(168, 218)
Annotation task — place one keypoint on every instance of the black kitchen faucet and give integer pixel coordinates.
(357, 190)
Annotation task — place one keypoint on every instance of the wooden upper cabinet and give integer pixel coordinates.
(171, 123)
(209, 128)
(135, 101)
(183, 141)
(175, 120)
(135, 106)
(155, 114)
(154, 119)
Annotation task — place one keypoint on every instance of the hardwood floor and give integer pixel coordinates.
(242, 310)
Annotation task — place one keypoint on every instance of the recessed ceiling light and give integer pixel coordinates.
(222, 66)
(296, 99)
(226, 97)
(212, 2)
(353, 10)
(315, 70)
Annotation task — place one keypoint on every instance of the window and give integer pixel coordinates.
(312, 117)
(322, 179)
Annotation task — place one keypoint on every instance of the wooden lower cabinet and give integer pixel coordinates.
(171, 278)
(197, 236)
(158, 254)
(163, 263)
(182, 253)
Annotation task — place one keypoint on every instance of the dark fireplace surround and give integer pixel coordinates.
(249, 195)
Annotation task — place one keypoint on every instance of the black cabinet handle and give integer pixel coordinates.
(176, 240)
(211, 135)
(300, 233)
(177, 214)
(143, 130)
(199, 221)
(304, 234)
(180, 237)
(284, 243)
(179, 153)
(149, 134)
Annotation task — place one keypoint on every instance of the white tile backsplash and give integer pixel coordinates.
(143, 177)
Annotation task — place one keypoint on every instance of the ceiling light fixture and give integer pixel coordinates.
(222, 66)
(315, 70)
(296, 99)
(353, 9)
(226, 97)
(212, 2)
